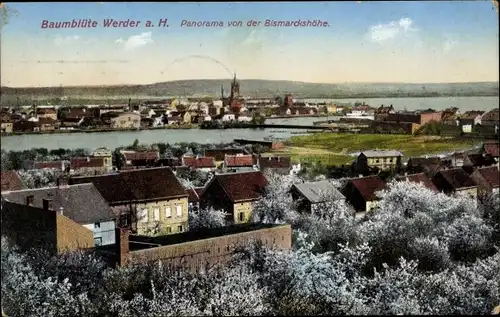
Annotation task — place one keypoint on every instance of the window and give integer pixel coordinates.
(169, 230)
(179, 228)
(168, 212)
(179, 210)
(98, 241)
(377, 161)
(97, 225)
(144, 215)
(242, 216)
(157, 214)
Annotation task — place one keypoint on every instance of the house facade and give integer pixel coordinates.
(361, 192)
(234, 193)
(125, 120)
(487, 179)
(382, 159)
(148, 201)
(455, 181)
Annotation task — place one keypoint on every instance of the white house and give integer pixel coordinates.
(228, 117)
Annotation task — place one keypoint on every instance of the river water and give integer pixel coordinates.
(115, 139)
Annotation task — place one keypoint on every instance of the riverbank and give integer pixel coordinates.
(337, 149)
(57, 131)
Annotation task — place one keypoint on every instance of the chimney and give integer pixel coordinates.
(62, 182)
(61, 211)
(29, 200)
(46, 204)
(122, 245)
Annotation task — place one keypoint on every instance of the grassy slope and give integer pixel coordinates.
(332, 148)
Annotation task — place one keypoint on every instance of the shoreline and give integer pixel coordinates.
(172, 127)
(186, 127)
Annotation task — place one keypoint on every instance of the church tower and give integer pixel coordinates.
(235, 88)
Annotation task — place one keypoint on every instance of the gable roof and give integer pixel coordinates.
(367, 186)
(491, 174)
(317, 192)
(81, 203)
(136, 185)
(242, 186)
(457, 178)
(11, 181)
(419, 178)
(238, 160)
(382, 153)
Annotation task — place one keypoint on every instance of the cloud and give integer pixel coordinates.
(384, 32)
(449, 45)
(136, 41)
(61, 40)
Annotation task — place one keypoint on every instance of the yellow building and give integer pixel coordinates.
(331, 108)
(149, 201)
(122, 120)
(7, 126)
(163, 217)
(234, 193)
(106, 155)
(382, 159)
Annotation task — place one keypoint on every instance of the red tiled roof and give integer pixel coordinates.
(492, 149)
(198, 162)
(242, 186)
(238, 160)
(491, 174)
(492, 115)
(50, 164)
(135, 156)
(82, 162)
(457, 178)
(11, 181)
(420, 178)
(194, 194)
(367, 186)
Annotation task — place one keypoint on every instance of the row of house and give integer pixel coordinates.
(122, 210)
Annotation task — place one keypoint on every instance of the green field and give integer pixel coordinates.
(334, 149)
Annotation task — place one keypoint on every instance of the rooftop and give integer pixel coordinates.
(317, 192)
(82, 203)
(382, 153)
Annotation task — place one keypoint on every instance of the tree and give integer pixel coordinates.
(206, 219)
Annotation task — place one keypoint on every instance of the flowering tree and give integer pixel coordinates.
(39, 178)
(206, 219)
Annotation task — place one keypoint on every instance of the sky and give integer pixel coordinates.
(394, 41)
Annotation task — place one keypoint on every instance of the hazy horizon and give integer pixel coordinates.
(255, 79)
(365, 42)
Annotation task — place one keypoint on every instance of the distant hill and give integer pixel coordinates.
(257, 89)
